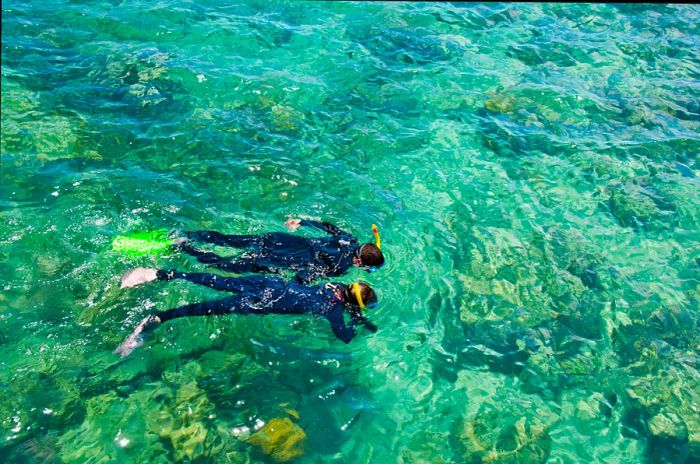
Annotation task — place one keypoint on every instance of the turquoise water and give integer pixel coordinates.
(533, 170)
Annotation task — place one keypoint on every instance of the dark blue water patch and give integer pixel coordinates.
(512, 140)
(400, 47)
(534, 55)
(631, 8)
(687, 110)
(666, 149)
(179, 146)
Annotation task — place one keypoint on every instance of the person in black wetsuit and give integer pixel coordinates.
(259, 295)
(310, 258)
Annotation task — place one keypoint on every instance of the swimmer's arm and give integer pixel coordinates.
(324, 226)
(208, 236)
(307, 276)
(345, 332)
(369, 325)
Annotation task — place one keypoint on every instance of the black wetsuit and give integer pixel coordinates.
(268, 295)
(310, 258)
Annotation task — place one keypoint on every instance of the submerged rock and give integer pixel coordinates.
(281, 439)
(639, 208)
(426, 446)
(630, 207)
(18, 107)
(87, 443)
(502, 424)
(28, 132)
(669, 402)
(54, 138)
(50, 264)
(506, 437)
(188, 441)
(501, 104)
(516, 283)
(668, 425)
(502, 271)
(286, 117)
(164, 422)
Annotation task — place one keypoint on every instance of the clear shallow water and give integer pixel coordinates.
(533, 170)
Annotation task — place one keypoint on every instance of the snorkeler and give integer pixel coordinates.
(259, 295)
(310, 258)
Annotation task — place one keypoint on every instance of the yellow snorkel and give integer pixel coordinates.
(358, 296)
(377, 240)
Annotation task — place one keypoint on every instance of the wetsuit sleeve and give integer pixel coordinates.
(345, 332)
(369, 325)
(331, 267)
(307, 276)
(229, 284)
(304, 277)
(324, 226)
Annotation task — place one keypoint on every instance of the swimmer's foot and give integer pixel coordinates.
(178, 239)
(137, 336)
(179, 242)
(138, 276)
(129, 345)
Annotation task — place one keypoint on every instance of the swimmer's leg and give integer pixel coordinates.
(233, 304)
(216, 238)
(206, 257)
(244, 266)
(229, 305)
(217, 282)
(237, 266)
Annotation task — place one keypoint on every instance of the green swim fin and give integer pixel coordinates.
(150, 242)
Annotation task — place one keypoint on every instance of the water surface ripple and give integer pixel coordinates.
(533, 169)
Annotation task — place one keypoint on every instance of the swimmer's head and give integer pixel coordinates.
(368, 255)
(360, 294)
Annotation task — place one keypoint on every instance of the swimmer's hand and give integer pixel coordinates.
(370, 326)
(138, 276)
(293, 224)
(136, 338)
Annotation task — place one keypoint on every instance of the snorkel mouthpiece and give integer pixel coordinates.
(377, 239)
(358, 296)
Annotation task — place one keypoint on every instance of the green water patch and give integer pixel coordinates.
(532, 169)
